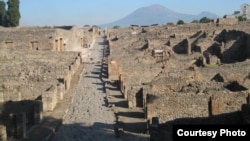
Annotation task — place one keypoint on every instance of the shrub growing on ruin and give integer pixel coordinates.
(13, 15)
(195, 21)
(116, 26)
(241, 18)
(205, 20)
(180, 22)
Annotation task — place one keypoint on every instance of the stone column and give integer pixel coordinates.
(19, 96)
(248, 99)
(10, 125)
(1, 97)
(245, 109)
(60, 91)
(61, 45)
(20, 125)
(38, 116)
(188, 46)
(150, 111)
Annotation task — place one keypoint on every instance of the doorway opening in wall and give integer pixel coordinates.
(139, 98)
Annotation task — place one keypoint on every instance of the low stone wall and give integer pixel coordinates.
(113, 70)
(135, 97)
(226, 21)
(170, 107)
(174, 106)
(226, 103)
(49, 99)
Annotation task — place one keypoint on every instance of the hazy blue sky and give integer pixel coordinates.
(94, 12)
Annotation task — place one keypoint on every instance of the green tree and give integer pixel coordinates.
(241, 18)
(180, 22)
(2, 13)
(13, 15)
(195, 21)
(205, 20)
(116, 26)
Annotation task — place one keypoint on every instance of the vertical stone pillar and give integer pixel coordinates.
(60, 91)
(3, 134)
(19, 96)
(81, 42)
(154, 129)
(245, 109)
(38, 116)
(149, 108)
(61, 44)
(150, 111)
(1, 97)
(216, 105)
(188, 46)
(125, 93)
(56, 45)
(248, 99)
(20, 125)
(67, 79)
(10, 126)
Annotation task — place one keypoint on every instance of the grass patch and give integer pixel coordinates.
(2, 60)
(146, 83)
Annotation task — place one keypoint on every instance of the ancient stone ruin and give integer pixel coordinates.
(37, 68)
(154, 76)
(189, 74)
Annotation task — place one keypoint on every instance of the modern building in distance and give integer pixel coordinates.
(244, 12)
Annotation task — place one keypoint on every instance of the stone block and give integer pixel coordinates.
(216, 107)
(60, 91)
(3, 133)
(49, 99)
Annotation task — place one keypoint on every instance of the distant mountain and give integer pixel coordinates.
(156, 14)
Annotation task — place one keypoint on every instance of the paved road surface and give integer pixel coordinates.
(88, 118)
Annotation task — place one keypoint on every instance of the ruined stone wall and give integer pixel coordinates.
(18, 117)
(49, 99)
(226, 21)
(170, 107)
(114, 70)
(46, 38)
(178, 105)
(23, 38)
(226, 103)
